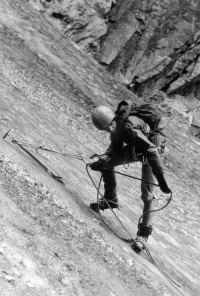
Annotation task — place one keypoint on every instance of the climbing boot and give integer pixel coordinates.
(104, 204)
(142, 237)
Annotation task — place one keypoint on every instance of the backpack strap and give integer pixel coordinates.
(123, 113)
(128, 110)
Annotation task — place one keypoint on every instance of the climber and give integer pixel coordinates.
(129, 143)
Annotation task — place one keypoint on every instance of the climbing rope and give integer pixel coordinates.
(99, 193)
(37, 147)
(145, 251)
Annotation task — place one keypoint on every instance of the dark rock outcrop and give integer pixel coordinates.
(152, 47)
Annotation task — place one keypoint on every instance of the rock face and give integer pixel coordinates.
(51, 243)
(153, 47)
(84, 21)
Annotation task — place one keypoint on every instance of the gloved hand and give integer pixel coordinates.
(97, 165)
(163, 184)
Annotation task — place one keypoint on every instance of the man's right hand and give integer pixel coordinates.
(96, 165)
(163, 184)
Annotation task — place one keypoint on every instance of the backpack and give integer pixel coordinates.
(148, 112)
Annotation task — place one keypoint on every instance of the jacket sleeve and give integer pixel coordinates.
(155, 161)
(115, 146)
(143, 145)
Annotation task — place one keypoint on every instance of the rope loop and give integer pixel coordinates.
(146, 251)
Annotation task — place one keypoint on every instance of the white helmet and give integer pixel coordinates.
(102, 116)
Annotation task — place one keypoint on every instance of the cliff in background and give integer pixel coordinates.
(152, 47)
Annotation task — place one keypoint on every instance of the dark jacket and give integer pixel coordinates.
(134, 133)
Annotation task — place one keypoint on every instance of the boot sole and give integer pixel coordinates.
(101, 208)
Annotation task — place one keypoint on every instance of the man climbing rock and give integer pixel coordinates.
(130, 142)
